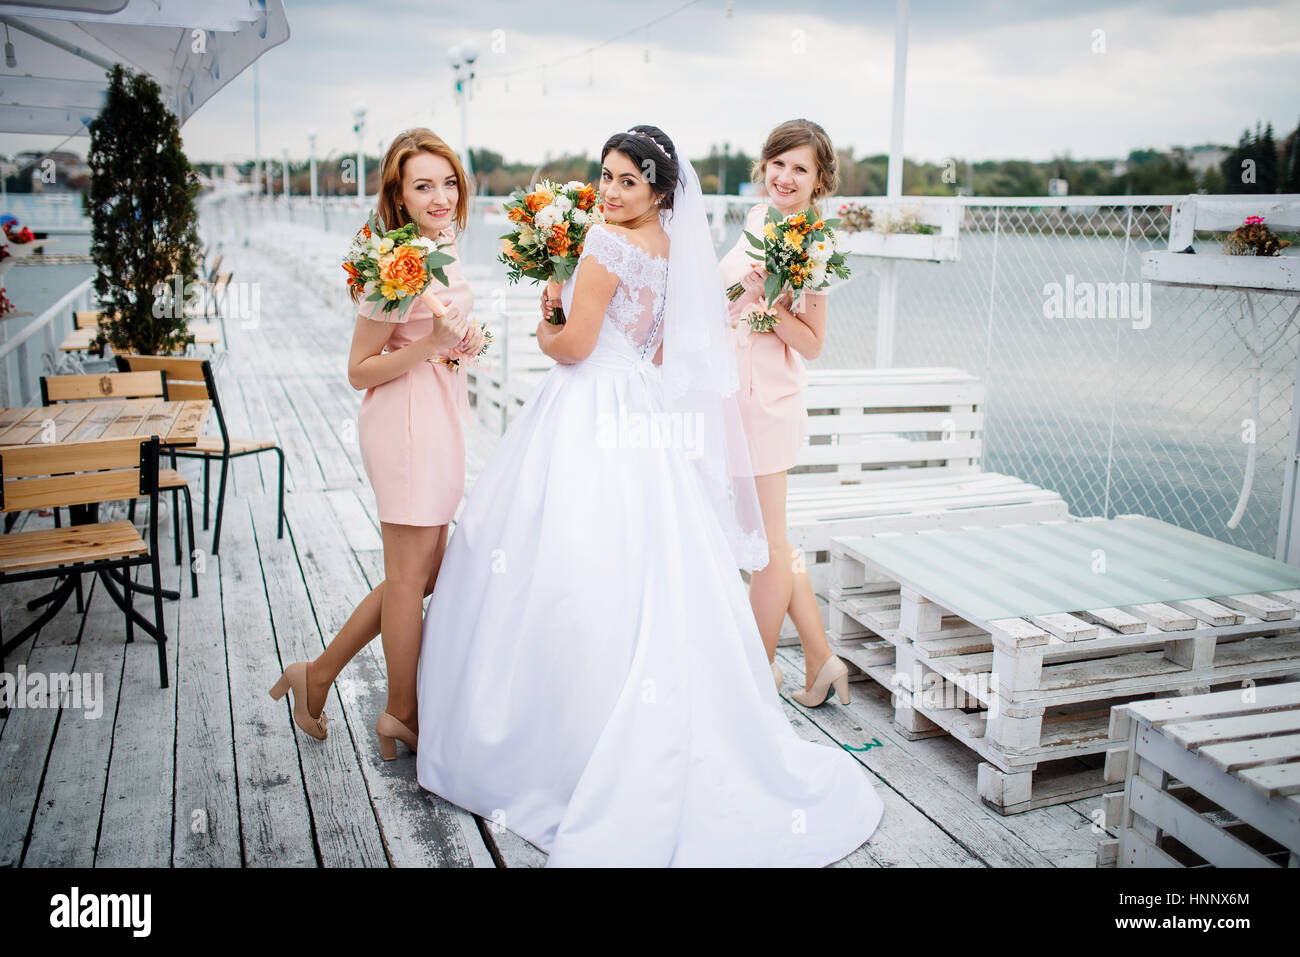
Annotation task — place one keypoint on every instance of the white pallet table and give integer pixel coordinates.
(1020, 690)
(1208, 779)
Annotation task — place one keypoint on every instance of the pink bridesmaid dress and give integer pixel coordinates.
(772, 375)
(412, 444)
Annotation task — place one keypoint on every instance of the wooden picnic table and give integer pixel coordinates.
(79, 340)
(176, 423)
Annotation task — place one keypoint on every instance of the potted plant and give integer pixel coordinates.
(144, 223)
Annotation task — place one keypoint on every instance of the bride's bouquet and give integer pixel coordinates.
(394, 267)
(551, 224)
(799, 253)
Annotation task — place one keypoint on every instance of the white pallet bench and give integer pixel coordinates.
(898, 450)
(1210, 779)
(1021, 691)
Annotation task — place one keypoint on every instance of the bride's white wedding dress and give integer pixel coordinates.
(591, 675)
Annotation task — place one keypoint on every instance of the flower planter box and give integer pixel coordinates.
(1269, 274)
(931, 248)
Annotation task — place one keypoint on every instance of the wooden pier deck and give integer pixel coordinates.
(212, 772)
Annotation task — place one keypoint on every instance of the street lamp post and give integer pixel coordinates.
(462, 58)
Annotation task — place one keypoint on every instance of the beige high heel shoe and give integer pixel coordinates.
(834, 672)
(389, 729)
(777, 676)
(295, 677)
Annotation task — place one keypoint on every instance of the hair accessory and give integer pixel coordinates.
(652, 140)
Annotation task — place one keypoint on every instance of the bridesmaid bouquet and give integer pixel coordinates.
(487, 341)
(760, 319)
(798, 253)
(394, 267)
(552, 222)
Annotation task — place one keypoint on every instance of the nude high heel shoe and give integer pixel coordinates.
(295, 677)
(834, 672)
(777, 676)
(389, 730)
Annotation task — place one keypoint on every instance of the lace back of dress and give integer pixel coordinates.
(638, 303)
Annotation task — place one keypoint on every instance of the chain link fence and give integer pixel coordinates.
(1122, 396)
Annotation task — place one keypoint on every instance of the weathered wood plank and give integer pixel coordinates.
(72, 792)
(205, 805)
(138, 797)
(274, 816)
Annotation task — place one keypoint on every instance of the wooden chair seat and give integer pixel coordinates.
(170, 478)
(212, 444)
(20, 551)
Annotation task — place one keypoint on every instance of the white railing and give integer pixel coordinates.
(34, 350)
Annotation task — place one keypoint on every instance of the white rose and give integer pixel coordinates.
(563, 204)
(820, 252)
(574, 185)
(548, 216)
(580, 217)
(818, 275)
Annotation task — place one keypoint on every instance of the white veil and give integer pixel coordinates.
(700, 374)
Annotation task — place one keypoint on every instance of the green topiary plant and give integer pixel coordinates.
(144, 224)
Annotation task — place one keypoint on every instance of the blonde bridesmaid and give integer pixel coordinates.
(797, 168)
(411, 441)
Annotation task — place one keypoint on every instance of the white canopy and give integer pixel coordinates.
(63, 48)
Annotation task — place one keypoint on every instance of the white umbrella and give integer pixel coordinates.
(62, 48)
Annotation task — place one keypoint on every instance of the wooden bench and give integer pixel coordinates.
(1208, 779)
(898, 450)
(47, 475)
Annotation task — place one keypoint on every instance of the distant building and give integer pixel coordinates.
(1202, 158)
(1058, 187)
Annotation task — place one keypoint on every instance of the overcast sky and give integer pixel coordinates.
(987, 79)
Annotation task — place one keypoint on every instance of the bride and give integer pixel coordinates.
(591, 675)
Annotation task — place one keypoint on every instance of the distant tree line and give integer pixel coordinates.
(1258, 164)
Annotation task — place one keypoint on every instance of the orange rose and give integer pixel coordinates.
(587, 197)
(558, 243)
(537, 200)
(517, 214)
(405, 269)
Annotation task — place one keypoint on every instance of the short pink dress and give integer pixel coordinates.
(412, 443)
(772, 375)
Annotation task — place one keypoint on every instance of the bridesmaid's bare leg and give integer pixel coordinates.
(790, 588)
(359, 630)
(770, 587)
(411, 557)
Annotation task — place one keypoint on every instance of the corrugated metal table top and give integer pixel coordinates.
(1010, 572)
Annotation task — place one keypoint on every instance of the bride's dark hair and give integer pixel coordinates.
(654, 154)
